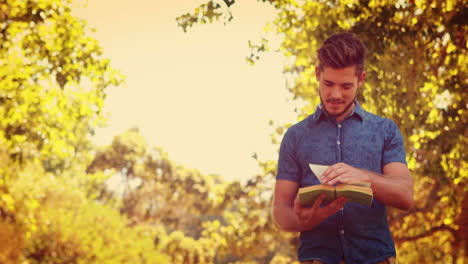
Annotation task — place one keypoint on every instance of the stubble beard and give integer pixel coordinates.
(342, 112)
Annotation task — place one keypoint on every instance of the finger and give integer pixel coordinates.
(297, 206)
(334, 180)
(341, 176)
(326, 176)
(340, 168)
(326, 173)
(318, 201)
(332, 172)
(336, 205)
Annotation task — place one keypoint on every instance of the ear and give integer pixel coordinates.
(317, 73)
(361, 79)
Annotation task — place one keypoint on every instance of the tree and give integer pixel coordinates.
(53, 80)
(52, 83)
(54, 222)
(154, 186)
(206, 219)
(159, 193)
(416, 76)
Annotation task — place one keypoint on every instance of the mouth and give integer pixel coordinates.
(334, 103)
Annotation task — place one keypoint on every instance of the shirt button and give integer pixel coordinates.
(339, 125)
(338, 142)
(342, 232)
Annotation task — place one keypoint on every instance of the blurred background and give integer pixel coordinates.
(148, 131)
(194, 94)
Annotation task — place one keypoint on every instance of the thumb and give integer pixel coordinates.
(297, 205)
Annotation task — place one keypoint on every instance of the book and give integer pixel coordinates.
(359, 192)
(353, 192)
(318, 170)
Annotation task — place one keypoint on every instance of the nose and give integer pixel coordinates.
(335, 92)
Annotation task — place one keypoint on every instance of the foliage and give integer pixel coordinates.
(64, 201)
(61, 225)
(208, 220)
(48, 65)
(206, 13)
(52, 88)
(416, 69)
(58, 203)
(154, 186)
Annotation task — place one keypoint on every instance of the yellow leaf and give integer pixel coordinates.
(451, 48)
(449, 5)
(8, 200)
(417, 145)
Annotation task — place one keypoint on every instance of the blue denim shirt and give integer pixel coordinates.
(359, 234)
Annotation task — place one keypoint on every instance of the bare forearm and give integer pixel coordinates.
(300, 218)
(290, 215)
(285, 219)
(394, 187)
(392, 190)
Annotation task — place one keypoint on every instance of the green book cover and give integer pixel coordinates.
(353, 192)
(307, 195)
(358, 192)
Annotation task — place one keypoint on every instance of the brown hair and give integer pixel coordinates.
(340, 51)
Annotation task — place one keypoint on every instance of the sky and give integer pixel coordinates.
(192, 94)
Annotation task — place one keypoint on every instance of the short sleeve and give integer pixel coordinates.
(394, 150)
(288, 168)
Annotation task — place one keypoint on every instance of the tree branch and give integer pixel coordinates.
(428, 233)
(431, 199)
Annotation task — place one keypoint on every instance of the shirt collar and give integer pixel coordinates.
(321, 113)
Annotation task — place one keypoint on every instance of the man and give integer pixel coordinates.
(359, 147)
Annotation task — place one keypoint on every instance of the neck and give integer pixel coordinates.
(345, 113)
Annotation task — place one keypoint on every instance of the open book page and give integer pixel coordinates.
(359, 192)
(318, 170)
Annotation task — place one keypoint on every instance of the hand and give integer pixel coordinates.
(310, 217)
(343, 173)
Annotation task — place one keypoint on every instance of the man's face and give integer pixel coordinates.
(338, 88)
